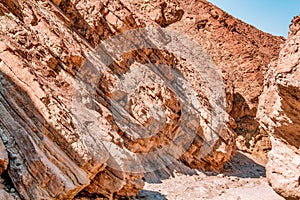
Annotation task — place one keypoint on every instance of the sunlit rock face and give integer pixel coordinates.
(279, 112)
(240, 51)
(81, 118)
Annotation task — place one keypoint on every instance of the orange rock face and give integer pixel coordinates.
(240, 51)
(94, 94)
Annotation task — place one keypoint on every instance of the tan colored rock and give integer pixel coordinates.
(58, 148)
(40, 53)
(240, 51)
(77, 120)
(163, 12)
(5, 195)
(294, 26)
(279, 115)
(3, 157)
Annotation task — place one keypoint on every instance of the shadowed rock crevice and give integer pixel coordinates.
(149, 195)
(251, 138)
(168, 171)
(79, 24)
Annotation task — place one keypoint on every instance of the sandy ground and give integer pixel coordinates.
(242, 179)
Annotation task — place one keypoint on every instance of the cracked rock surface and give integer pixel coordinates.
(279, 112)
(80, 118)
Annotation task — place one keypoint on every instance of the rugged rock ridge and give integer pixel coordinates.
(43, 46)
(279, 115)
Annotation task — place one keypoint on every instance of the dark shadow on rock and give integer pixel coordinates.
(247, 125)
(78, 24)
(290, 105)
(149, 195)
(168, 171)
(251, 137)
(240, 166)
(243, 167)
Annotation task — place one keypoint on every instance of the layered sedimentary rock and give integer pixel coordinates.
(62, 138)
(241, 52)
(80, 116)
(279, 114)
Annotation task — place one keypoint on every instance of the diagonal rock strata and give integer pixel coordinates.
(44, 49)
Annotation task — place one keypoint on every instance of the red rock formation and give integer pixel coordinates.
(56, 154)
(240, 51)
(58, 148)
(279, 114)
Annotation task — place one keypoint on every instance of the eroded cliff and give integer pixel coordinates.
(279, 115)
(64, 140)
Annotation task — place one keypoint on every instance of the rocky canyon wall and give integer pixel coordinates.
(69, 126)
(240, 51)
(279, 115)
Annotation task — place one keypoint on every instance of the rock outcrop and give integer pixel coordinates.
(241, 52)
(279, 114)
(3, 158)
(78, 115)
(59, 140)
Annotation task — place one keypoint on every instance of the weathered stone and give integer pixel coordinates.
(279, 114)
(3, 156)
(163, 12)
(5, 195)
(70, 126)
(39, 59)
(240, 51)
(56, 148)
(57, 2)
